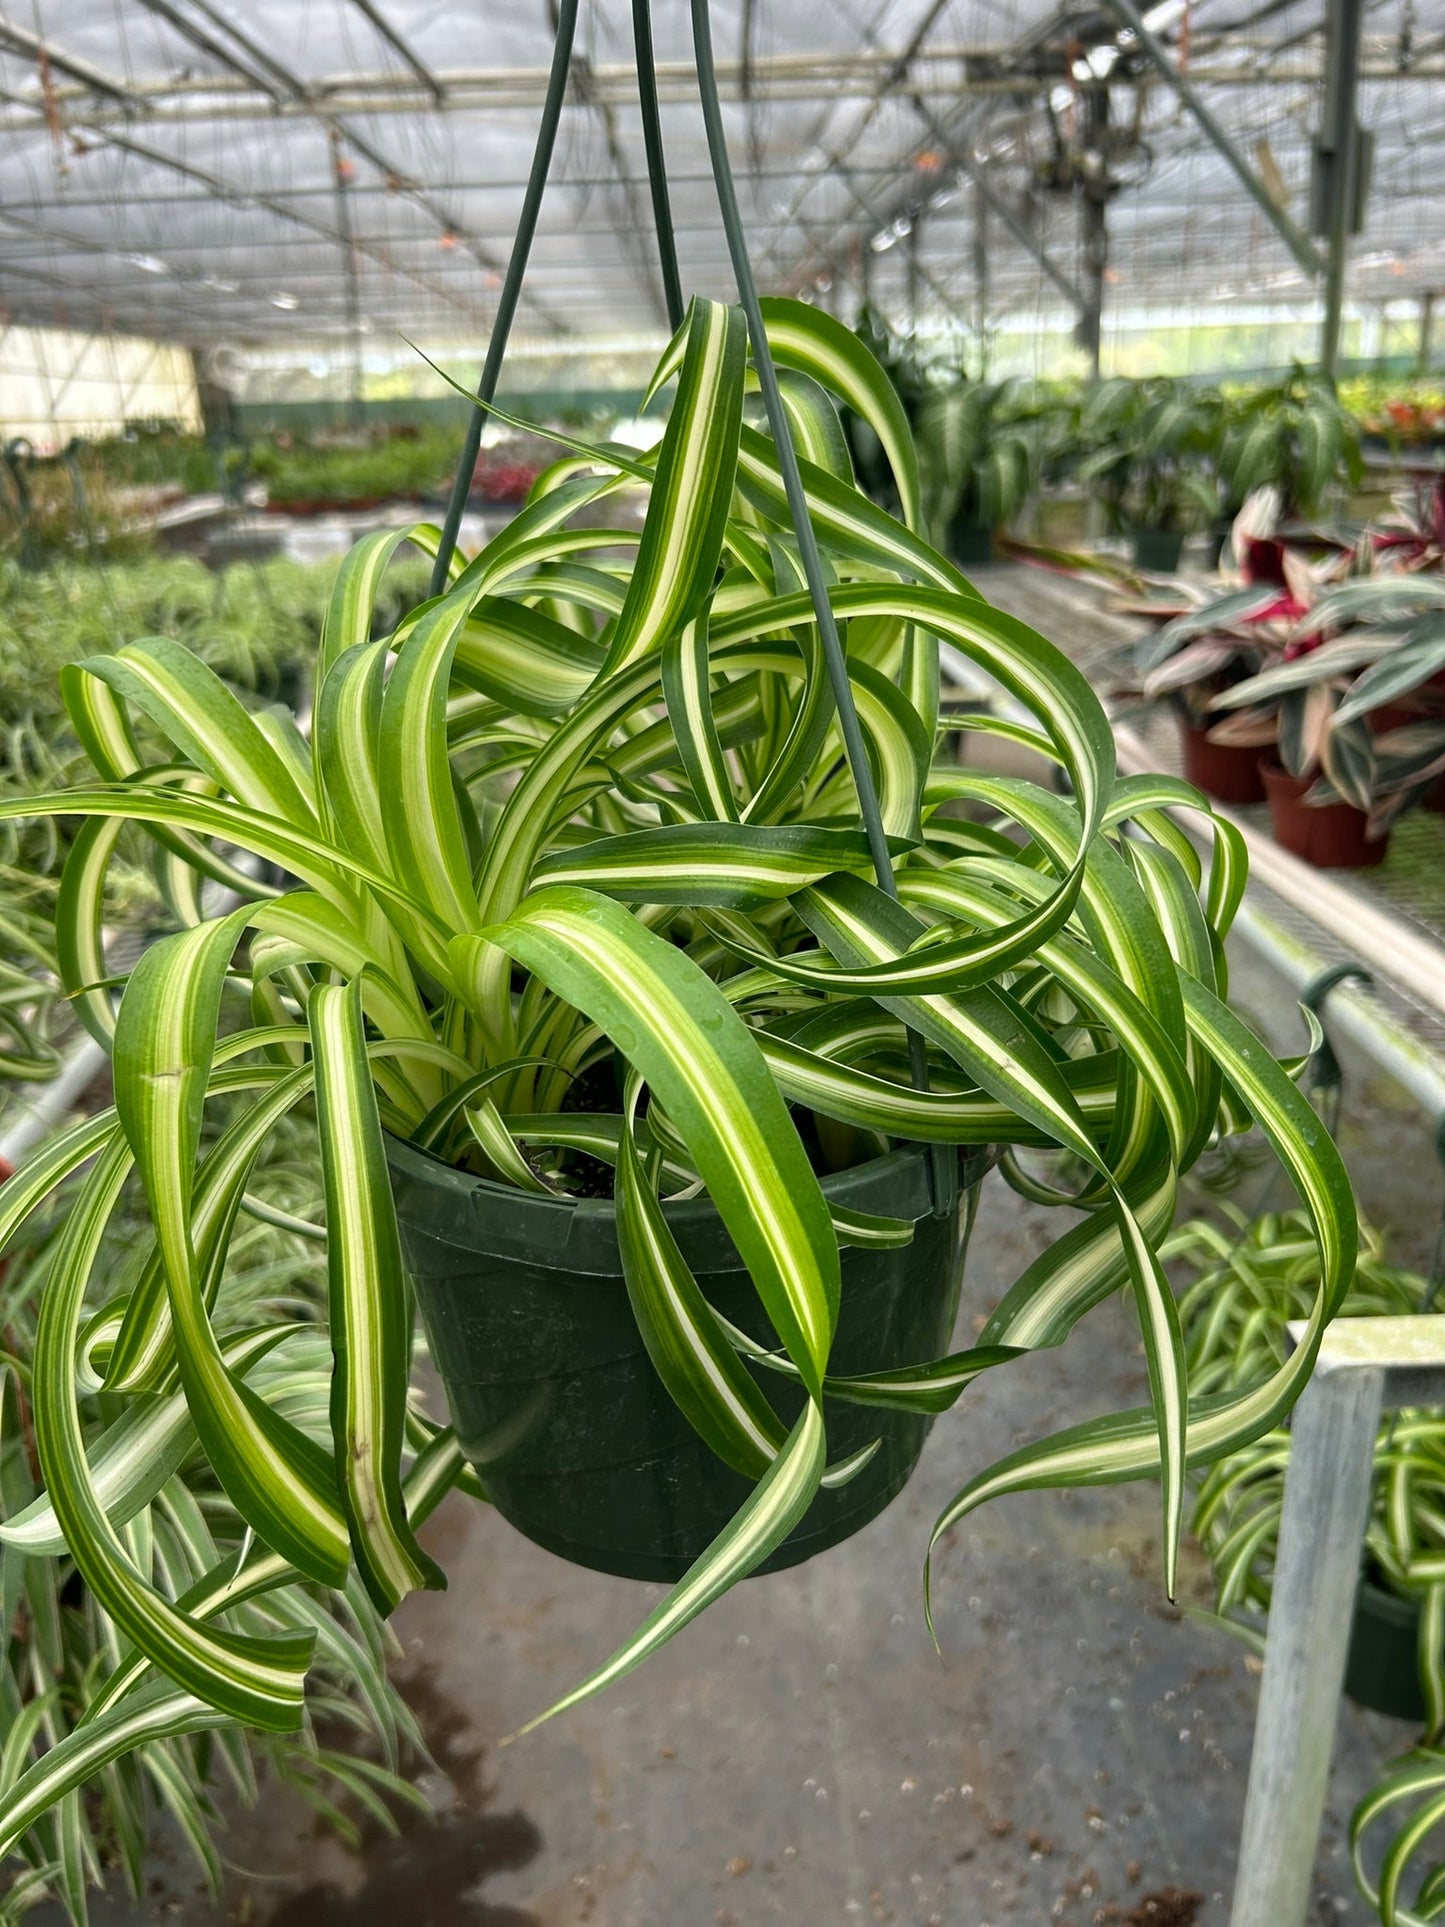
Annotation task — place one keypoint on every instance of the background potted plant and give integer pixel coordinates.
(1233, 640)
(352, 468)
(1292, 435)
(1411, 1796)
(1355, 688)
(1146, 454)
(634, 807)
(977, 460)
(351, 1760)
(1242, 1284)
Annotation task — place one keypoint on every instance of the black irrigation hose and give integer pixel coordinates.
(511, 288)
(656, 164)
(833, 651)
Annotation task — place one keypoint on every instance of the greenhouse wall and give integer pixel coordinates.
(56, 383)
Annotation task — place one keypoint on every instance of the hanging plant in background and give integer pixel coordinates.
(623, 865)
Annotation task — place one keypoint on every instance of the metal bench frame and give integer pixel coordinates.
(1366, 1366)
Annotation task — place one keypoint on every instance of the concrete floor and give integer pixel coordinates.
(800, 1754)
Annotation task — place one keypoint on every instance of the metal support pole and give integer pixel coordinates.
(1326, 1504)
(1090, 329)
(980, 277)
(1339, 152)
(1294, 237)
(915, 236)
(351, 281)
(1096, 231)
(1427, 321)
(1365, 1366)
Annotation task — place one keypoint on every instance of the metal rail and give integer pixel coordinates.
(469, 90)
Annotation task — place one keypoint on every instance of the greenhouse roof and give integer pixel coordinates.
(203, 171)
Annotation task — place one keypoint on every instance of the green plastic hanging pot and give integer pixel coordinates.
(1383, 1667)
(554, 1397)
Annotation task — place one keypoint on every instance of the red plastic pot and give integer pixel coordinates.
(1222, 770)
(1331, 836)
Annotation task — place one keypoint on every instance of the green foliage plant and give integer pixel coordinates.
(1146, 453)
(1293, 435)
(977, 455)
(357, 466)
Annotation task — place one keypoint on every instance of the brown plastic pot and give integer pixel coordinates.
(1225, 771)
(1331, 836)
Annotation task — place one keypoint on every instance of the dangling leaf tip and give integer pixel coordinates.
(928, 1605)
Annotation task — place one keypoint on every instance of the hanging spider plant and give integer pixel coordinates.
(658, 805)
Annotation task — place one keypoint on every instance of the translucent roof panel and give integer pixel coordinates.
(214, 172)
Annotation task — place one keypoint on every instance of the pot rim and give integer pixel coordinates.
(901, 1162)
(470, 1213)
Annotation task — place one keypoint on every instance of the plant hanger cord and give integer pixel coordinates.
(656, 165)
(511, 288)
(833, 652)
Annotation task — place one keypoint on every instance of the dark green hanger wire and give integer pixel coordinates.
(511, 288)
(656, 165)
(833, 652)
(852, 734)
